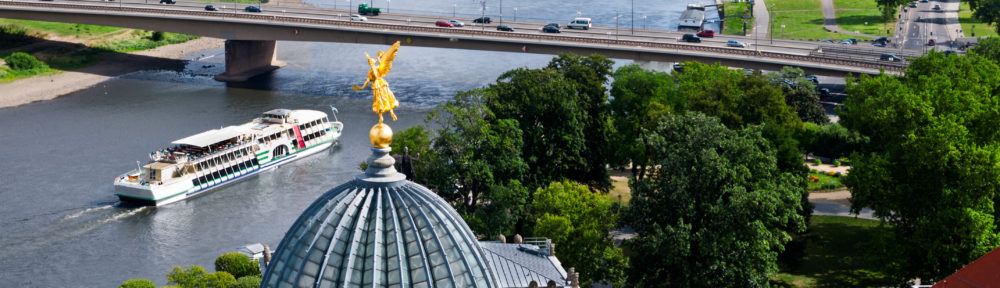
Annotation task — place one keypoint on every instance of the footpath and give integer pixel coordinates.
(836, 203)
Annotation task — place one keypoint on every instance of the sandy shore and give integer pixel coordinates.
(39, 88)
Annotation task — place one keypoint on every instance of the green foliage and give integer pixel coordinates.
(237, 264)
(144, 43)
(137, 283)
(219, 279)
(156, 36)
(640, 98)
(930, 167)
(836, 163)
(987, 11)
(418, 140)
(246, 282)
(21, 61)
(818, 162)
(988, 48)
(13, 36)
(578, 220)
(830, 140)
(716, 212)
(186, 278)
(62, 29)
(840, 254)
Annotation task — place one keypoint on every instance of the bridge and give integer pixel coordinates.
(250, 45)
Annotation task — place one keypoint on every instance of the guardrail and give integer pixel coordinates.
(817, 58)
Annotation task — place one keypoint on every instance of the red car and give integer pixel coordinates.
(443, 23)
(709, 33)
(931, 42)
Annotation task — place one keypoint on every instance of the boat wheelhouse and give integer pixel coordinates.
(205, 161)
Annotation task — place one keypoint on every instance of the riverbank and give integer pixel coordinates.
(47, 87)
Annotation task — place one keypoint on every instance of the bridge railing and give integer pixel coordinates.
(812, 58)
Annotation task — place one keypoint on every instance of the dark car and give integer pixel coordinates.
(482, 20)
(823, 93)
(813, 78)
(168, 2)
(504, 27)
(890, 57)
(550, 29)
(679, 67)
(252, 9)
(691, 38)
(828, 41)
(443, 23)
(211, 8)
(553, 25)
(748, 71)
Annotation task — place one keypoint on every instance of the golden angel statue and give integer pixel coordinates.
(384, 100)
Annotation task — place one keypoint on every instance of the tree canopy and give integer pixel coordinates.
(930, 168)
(716, 212)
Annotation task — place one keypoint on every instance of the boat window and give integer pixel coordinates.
(218, 161)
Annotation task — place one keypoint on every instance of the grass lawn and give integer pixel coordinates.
(620, 188)
(62, 29)
(854, 20)
(823, 179)
(836, 255)
(140, 40)
(855, 4)
(967, 21)
(734, 26)
(802, 25)
(782, 5)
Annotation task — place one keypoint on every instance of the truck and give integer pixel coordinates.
(363, 9)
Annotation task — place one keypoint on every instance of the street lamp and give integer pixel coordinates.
(755, 36)
(387, 6)
(453, 7)
(515, 14)
(770, 31)
(643, 22)
(617, 15)
(633, 17)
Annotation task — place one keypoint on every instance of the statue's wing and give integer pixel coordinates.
(385, 61)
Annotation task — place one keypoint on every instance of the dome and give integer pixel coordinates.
(379, 230)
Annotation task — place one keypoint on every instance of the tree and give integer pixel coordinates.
(185, 278)
(418, 140)
(929, 169)
(578, 220)
(717, 211)
(246, 282)
(137, 283)
(830, 140)
(988, 48)
(237, 264)
(987, 11)
(219, 279)
(640, 98)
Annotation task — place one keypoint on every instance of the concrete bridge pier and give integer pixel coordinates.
(248, 58)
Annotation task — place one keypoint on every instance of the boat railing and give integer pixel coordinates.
(133, 177)
(194, 157)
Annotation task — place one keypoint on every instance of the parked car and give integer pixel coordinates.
(734, 43)
(551, 29)
(456, 23)
(252, 9)
(931, 42)
(579, 23)
(890, 57)
(691, 38)
(707, 33)
(937, 7)
(823, 93)
(504, 27)
(168, 2)
(679, 67)
(949, 52)
(486, 20)
(813, 78)
(443, 23)
(748, 71)
(913, 4)
(789, 82)
(923, 1)
(356, 17)
(211, 8)
(828, 41)
(878, 44)
(849, 41)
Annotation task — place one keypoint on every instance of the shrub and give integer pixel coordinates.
(237, 264)
(246, 282)
(814, 171)
(838, 175)
(836, 163)
(219, 279)
(138, 283)
(817, 162)
(190, 277)
(23, 62)
(157, 36)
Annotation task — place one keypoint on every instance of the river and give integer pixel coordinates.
(63, 227)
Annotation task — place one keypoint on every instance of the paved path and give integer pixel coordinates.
(763, 19)
(837, 204)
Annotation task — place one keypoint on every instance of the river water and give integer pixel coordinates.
(61, 225)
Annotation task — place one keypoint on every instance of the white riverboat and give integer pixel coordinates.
(200, 163)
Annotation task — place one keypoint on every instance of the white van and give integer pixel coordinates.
(579, 23)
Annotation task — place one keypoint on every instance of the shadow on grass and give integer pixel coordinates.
(81, 58)
(837, 252)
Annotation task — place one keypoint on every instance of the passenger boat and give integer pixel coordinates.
(200, 163)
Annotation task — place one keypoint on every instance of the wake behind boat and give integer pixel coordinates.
(218, 157)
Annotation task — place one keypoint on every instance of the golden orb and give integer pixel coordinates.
(381, 135)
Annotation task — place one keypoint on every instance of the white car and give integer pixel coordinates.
(356, 17)
(456, 23)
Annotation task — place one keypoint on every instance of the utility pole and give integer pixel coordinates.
(770, 31)
(501, 12)
(483, 24)
(633, 17)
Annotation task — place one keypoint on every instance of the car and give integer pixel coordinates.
(168, 2)
(485, 20)
(936, 7)
(707, 33)
(828, 41)
(878, 44)
(923, 1)
(211, 8)
(252, 9)
(813, 78)
(579, 23)
(679, 67)
(823, 93)
(553, 25)
(913, 4)
(550, 29)
(456, 23)
(850, 41)
(931, 42)
(443, 23)
(356, 17)
(890, 57)
(734, 43)
(504, 27)
(691, 38)
(748, 71)
(789, 82)
(949, 52)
